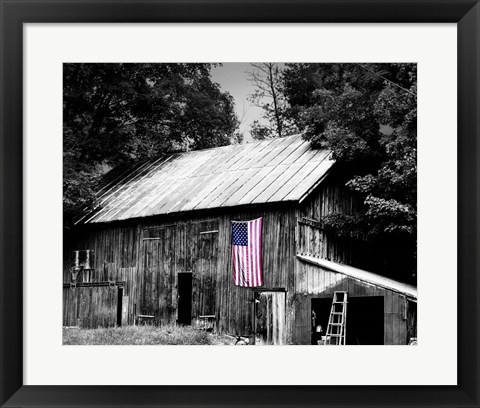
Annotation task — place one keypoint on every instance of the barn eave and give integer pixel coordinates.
(201, 212)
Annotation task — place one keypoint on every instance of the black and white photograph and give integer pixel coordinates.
(232, 203)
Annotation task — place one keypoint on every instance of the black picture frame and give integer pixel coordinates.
(465, 13)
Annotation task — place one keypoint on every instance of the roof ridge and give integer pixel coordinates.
(258, 142)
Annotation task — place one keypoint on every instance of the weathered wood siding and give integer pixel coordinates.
(148, 256)
(384, 256)
(315, 240)
(90, 307)
(116, 258)
(411, 319)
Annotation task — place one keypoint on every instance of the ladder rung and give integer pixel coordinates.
(336, 325)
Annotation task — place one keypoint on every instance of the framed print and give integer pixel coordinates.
(238, 173)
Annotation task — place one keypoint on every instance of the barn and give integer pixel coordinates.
(157, 249)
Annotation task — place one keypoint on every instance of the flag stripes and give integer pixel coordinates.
(247, 253)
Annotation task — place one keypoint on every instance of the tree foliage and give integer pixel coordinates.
(120, 113)
(366, 114)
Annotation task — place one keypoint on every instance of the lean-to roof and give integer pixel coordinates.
(364, 276)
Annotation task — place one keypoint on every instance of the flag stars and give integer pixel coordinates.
(240, 234)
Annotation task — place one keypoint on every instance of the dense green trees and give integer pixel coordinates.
(117, 113)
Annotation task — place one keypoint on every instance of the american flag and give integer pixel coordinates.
(247, 253)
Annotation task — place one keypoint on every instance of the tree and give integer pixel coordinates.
(123, 113)
(268, 95)
(366, 115)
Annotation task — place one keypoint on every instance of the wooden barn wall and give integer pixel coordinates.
(385, 257)
(116, 252)
(411, 319)
(148, 256)
(235, 304)
(315, 282)
(313, 239)
(90, 307)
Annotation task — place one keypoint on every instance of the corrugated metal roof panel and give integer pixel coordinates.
(269, 171)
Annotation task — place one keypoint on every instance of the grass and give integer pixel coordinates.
(143, 335)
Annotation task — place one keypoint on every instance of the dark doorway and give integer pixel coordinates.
(320, 314)
(365, 319)
(119, 306)
(184, 298)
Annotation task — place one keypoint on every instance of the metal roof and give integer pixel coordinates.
(276, 170)
(364, 276)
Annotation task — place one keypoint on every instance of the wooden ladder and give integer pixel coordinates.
(337, 323)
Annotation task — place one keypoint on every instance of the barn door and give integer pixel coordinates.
(204, 255)
(269, 318)
(158, 298)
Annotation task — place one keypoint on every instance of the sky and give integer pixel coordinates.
(232, 77)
